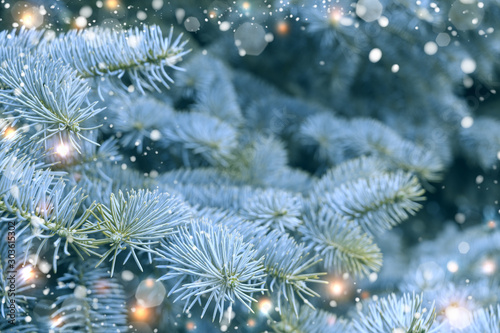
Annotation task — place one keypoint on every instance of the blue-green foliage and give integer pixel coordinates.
(207, 260)
(276, 209)
(38, 90)
(311, 321)
(142, 54)
(406, 314)
(287, 264)
(137, 220)
(21, 294)
(342, 245)
(486, 320)
(250, 178)
(90, 301)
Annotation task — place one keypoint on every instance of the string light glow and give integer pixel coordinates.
(27, 20)
(55, 322)
(62, 150)
(458, 317)
(265, 305)
(246, 5)
(452, 266)
(9, 132)
(150, 283)
(112, 4)
(335, 16)
(27, 273)
(30, 17)
(282, 28)
(337, 288)
(488, 267)
(81, 22)
(140, 313)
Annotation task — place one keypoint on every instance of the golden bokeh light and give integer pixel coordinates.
(282, 28)
(112, 4)
(9, 132)
(141, 313)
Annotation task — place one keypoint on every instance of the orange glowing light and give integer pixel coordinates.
(492, 224)
(337, 288)
(283, 28)
(140, 313)
(212, 14)
(9, 132)
(190, 326)
(112, 4)
(27, 273)
(246, 5)
(150, 283)
(251, 322)
(27, 20)
(56, 321)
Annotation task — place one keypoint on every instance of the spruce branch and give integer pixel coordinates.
(388, 314)
(26, 39)
(137, 219)
(38, 198)
(260, 162)
(274, 209)
(302, 181)
(41, 91)
(368, 136)
(142, 54)
(227, 197)
(310, 321)
(201, 70)
(344, 247)
(349, 171)
(485, 320)
(198, 176)
(91, 301)
(8, 265)
(136, 117)
(209, 261)
(99, 180)
(287, 263)
(218, 99)
(378, 203)
(233, 222)
(59, 216)
(322, 133)
(89, 154)
(204, 135)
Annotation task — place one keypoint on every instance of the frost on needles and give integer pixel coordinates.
(232, 218)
